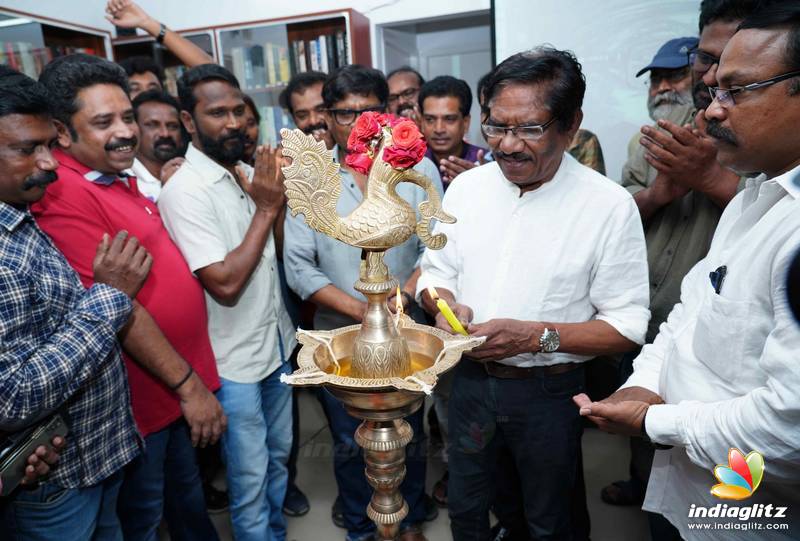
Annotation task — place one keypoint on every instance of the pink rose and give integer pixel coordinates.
(405, 134)
(403, 158)
(359, 162)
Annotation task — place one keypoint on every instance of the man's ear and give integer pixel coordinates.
(188, 122)
(576, 123)
(466, 121)
(63, 135)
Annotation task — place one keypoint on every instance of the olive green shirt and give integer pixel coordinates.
(677, 236)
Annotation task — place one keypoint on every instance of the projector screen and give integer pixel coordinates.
(613, 39)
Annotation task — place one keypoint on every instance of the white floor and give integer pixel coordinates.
(605, 460)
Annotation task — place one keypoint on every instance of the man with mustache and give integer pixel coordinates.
(169, 360)
(680, 190)
(224, 216)
(59, 340)
(723, 370)
(302, 97)
(404, 86)
(551, 268)
(670, 80)
(158, 116)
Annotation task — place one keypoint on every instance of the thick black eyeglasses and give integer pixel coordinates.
(345, 117)
(725, 96)
(529, 133)
(701, 61)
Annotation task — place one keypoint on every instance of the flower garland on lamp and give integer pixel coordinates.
(407, 146)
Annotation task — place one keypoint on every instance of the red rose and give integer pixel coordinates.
(388, 119)
(367, 127)
(403, 158)
(359, 162)
(405, 134)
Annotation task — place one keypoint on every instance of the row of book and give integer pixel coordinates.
(23, 57)
(272, 120)
(260, 66)
(324, 53)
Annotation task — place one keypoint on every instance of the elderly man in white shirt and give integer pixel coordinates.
(727, 361)
(548, 261)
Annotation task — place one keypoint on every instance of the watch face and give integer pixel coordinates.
(550, 341)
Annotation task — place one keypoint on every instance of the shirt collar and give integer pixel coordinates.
(790, 181)
(67, 160)
(561, 172)
(209, 170)
(11, 217)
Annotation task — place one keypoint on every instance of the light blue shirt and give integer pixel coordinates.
(314, 260)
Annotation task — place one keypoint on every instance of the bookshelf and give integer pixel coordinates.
(264, 55)
(127, 47)
(28, 42)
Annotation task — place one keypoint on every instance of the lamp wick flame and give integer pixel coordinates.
(398, 303)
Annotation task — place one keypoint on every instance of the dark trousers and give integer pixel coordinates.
(349, 469)
(536, 424)
(165, 477)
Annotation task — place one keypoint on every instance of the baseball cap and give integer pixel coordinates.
(672, 55)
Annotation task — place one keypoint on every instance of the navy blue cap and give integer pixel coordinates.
(672, 55)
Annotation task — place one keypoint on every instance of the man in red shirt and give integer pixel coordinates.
(168, 356)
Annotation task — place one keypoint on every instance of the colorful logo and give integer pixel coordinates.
(741, 477)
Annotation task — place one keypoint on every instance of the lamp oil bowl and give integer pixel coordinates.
(382, 369)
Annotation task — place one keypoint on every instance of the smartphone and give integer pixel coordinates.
(18, 447)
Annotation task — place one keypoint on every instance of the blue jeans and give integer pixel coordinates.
(52, 513)
(256, 451)
(532, 422)
(165, 481)
(349, 467)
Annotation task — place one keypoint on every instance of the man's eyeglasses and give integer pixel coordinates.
(725, 96)
(407, 94)
(532, 132)
(670, 75)
(345, 117)
(701, 61)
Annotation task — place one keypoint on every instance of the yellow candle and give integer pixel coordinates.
(447, 312)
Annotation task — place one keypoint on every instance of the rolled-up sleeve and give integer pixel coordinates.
(620, 290)
(303, 273)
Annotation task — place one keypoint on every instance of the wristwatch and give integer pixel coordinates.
(549, 341)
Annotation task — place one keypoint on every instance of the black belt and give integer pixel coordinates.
(505, 371)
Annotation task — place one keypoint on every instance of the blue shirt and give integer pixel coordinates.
(314, 260)
(58, 346)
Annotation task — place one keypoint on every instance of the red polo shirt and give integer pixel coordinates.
(75, 212)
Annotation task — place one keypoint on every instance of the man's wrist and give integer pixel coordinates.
(537, 329)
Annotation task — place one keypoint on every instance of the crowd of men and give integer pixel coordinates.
(151, 283)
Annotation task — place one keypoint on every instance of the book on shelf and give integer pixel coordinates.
(258, 75)
(313, 54)
(324, 53)
(237, 65)
(23, 57)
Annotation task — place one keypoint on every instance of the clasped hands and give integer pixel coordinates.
(621, 413)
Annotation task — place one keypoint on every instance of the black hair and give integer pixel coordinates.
(354, 79)
(480, 88)
(446, 86)
(406, 69)
(781, 15)
(200, 74)
(154, 95)
(248, 101)
(297, 85)
(725, 11)
(142, 64)
(559, 70)
(67, 75)
(21, 95)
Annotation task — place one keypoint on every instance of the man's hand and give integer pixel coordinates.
(684, 154)
(267, 188)
(126, 14)
(122, 265)
(462, 312)
(454, 166)
(405, 300)
(505, 338)
(169, 168)
(623, 417)
(42, 459)
(639, 394)
(202, 412)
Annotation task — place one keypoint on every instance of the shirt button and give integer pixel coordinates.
(669, 252)
(241, 197)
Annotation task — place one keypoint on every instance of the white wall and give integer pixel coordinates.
(613, 39)
(180, 14)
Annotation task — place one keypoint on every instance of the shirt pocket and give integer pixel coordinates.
(721, 336)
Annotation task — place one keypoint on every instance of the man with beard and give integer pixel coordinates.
(670, 81)
(158, 116)
(302, 97)
(547, 303)
(680, 190)
(404, 86)
(722, 372)
(169, 360)
(223, 215)
(323, 270)
(59, 340)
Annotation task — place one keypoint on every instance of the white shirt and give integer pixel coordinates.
(207, 215)
(149, 186)
(568, 252)
(728, 365)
